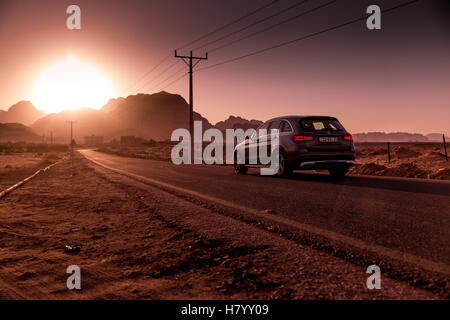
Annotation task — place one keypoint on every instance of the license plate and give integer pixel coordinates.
(328, 139)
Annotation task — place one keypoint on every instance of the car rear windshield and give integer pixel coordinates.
(321, 125)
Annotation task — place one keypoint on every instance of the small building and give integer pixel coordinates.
(93, 141)
(132, 141)
(128, 140)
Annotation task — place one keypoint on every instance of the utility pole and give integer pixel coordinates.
(389, 152)
(71, 144)
(71, 131)
(191, 66)
(51, 137)
(445, 147)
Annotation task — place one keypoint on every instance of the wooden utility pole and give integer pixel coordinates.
(71, 131)
(191, 66)
(71, 144)
(445, 147)
(389, 152)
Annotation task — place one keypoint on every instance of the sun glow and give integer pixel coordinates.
(69, 84)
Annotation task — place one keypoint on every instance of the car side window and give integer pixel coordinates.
(285, 127)
(263, 126)
(273, 125)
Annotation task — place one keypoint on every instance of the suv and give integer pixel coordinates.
(305, 142)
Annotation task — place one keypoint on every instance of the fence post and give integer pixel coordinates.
(445, 147)
(389, 152)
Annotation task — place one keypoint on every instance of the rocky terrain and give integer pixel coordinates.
(411, 160)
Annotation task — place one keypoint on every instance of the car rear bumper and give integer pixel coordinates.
(325, 164)
(315, 160)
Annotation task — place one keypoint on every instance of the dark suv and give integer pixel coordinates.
(306, 142)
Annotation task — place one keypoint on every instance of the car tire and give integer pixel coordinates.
(284, 168)
(338, 173)
(239, 168)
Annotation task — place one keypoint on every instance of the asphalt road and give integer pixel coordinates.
(406, 215)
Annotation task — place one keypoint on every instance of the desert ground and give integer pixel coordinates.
(136, 241)
(15, 167)
(412, 160)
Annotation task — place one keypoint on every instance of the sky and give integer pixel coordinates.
(393, 79)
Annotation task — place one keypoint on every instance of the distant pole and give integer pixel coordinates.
(51, 137)
(191, 97)
(71, 136)
(71, 131)
(389, 152)
(191, 92)
(445, 147)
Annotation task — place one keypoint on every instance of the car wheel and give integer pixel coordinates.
(283, 166)
(239, 168)
(338, 173)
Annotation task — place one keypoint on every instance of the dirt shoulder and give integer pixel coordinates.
(143, 243)
(18, 166)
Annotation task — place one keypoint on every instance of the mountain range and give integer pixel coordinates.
(237, 122)
(153, 116)
(22, 112)
(14, 132)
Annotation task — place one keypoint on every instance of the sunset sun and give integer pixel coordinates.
(69, 84)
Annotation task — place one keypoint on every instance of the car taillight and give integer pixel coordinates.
(303, 138)
(348, 138)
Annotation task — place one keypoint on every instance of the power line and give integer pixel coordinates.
(252, 24)
(148, 72)
(260, 31)
(159, 74)
(173, 82)
(164, 71)
(169, 77)
(198, 39)
(273, 26)
(305, 37)
(229, 24)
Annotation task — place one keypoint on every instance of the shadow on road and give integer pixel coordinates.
(391, 183)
